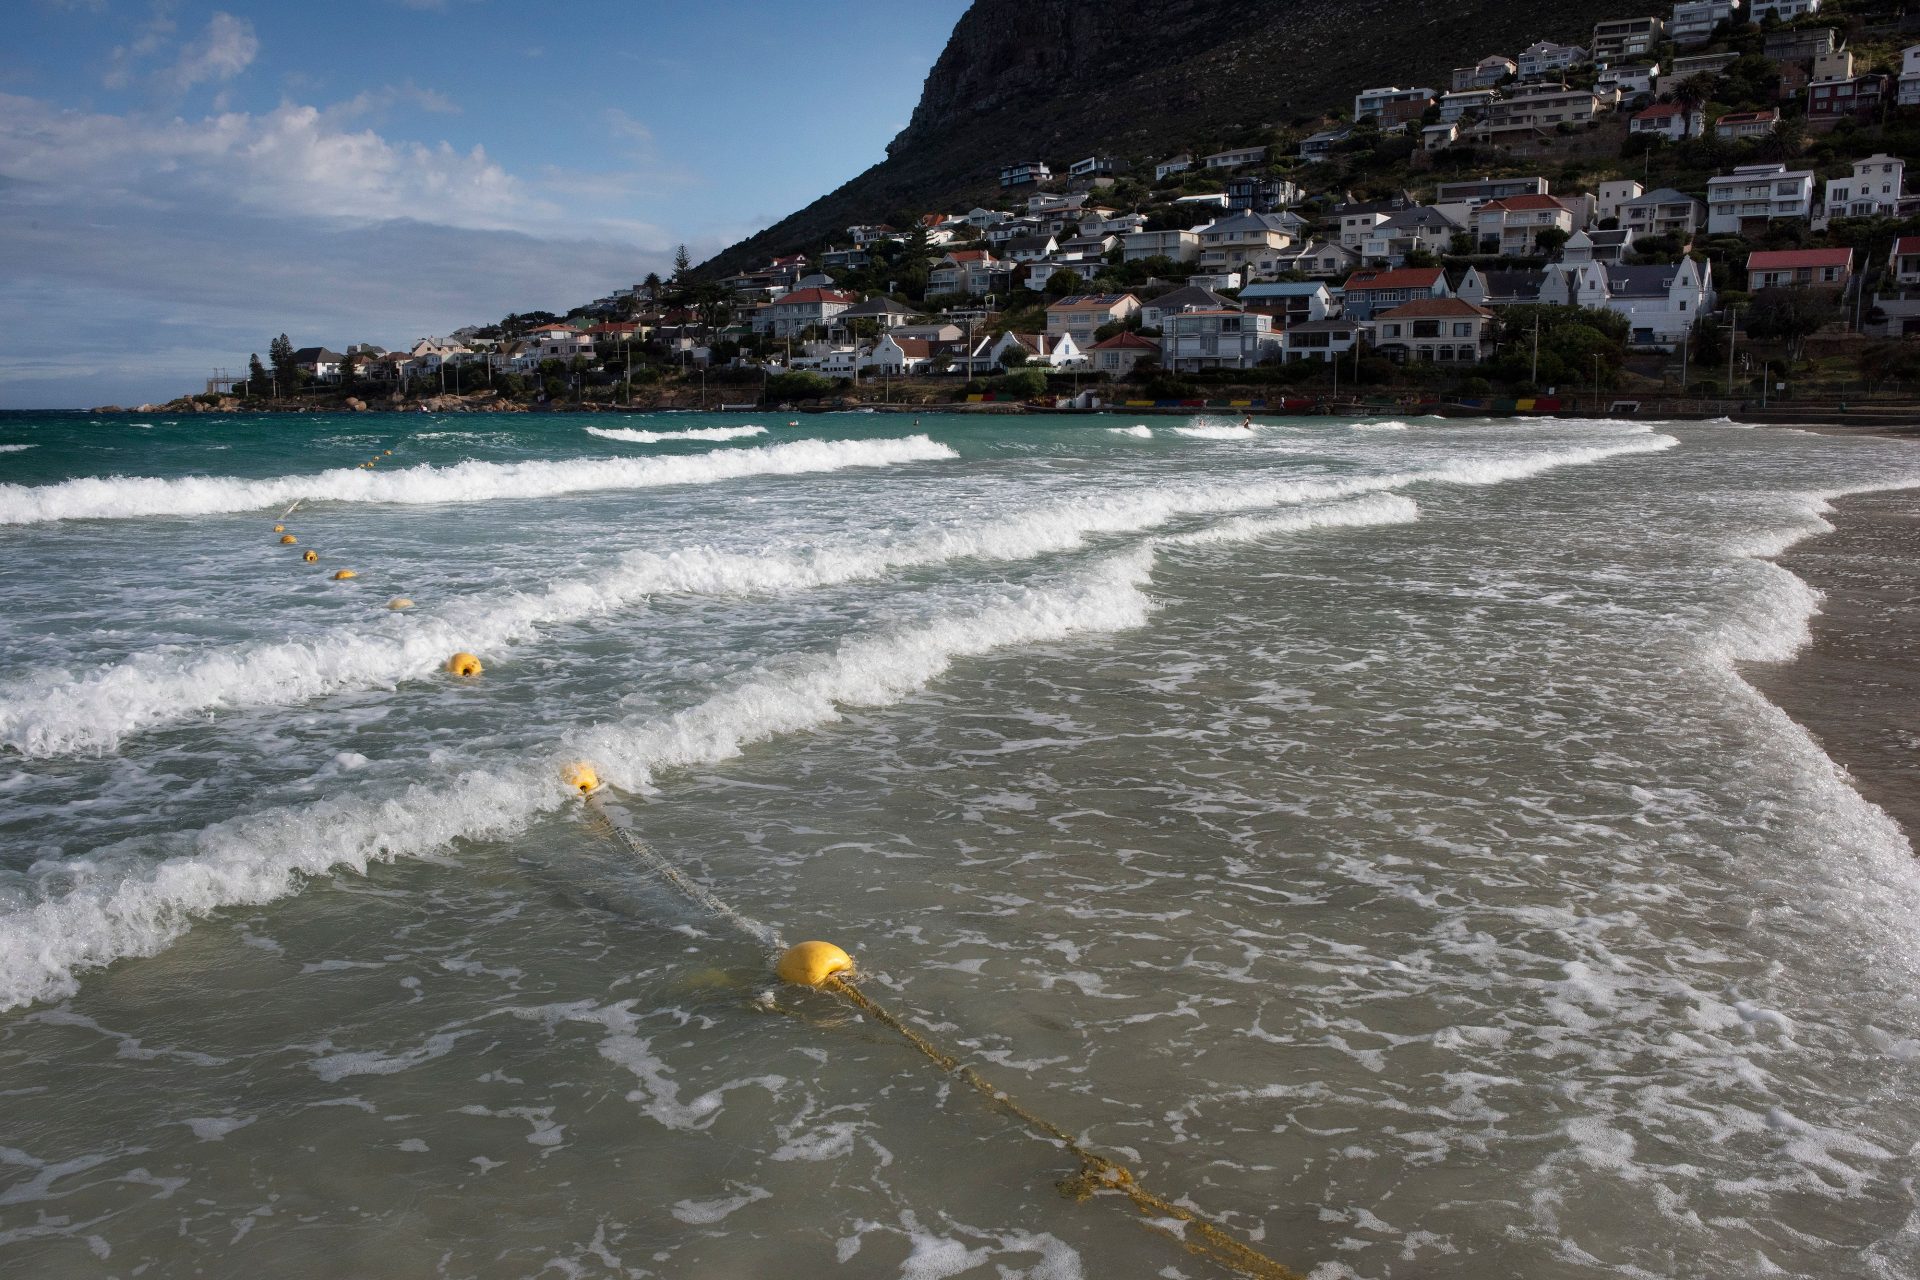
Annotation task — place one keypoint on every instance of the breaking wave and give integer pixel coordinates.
(122, 497)
(632, 436)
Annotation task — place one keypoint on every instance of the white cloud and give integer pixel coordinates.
(146, 249)
(223, 51)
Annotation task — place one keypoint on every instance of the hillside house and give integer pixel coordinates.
(1908, 93)
(1898, 306)
(1664, 212)
(1694, 21)
(1611, 194)
(1091, 167)
(1318, 146)
(1621, 39)
(1229, 243)
(1484, 74)
(1180, 246)
(1117, 356)
(1154, 311)
(1669, 120)
(318, 363)
(1834, 64)
(1440, 330)
(1466, 104)
(1512, 227)
(1493, 289)
(1261, 195)
(1875, 189)
(1745, 201)
(1860, 98)
(1801, 44)
(1194, 340)
(556, 342)
(1696, 64)
(1392, 106)
(1476, 192)
(898, 357)
(1736, 125)
(1785, 10)
(1172, 165)
(882, 311)
(1660, 303)
(1290, 302)
(1322, 340)
(1024, 174)
(1236, 158)
(1421, 228)
(1438, 137)
(1544, 59)
(1319, 259)
(1799, 268)
(1040, 349)
(1081, 314)
(1369, 290)
(1539, 109)
(1631, 81)
(791, 314)
(1030, 248)
(964, 271)
(1597, 246)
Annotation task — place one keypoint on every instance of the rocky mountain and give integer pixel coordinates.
(1060, 79)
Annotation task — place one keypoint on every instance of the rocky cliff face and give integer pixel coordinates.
(1056, 80)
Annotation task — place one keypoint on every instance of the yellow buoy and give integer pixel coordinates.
(310, 556)
(399, 602)
(386, 453)
(343, 574)
(464, 664)
(810, 964)
(582, 777)
(288, 540)
(279, 528)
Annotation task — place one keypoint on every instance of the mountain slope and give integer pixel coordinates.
(1061, 79)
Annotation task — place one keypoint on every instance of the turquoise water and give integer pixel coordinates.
(1361, 829)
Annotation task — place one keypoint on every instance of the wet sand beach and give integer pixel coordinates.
(1856, 687)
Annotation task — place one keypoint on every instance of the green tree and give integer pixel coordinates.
(280, 351)
(682, 264)
(349, 370)
(256, 375)
(1791, 315)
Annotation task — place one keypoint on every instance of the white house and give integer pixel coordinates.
(1290, 302)
(968, 271)
(1620, 38)
(1754, 195)
(1512, 226)
(559, 342)
(1391, 105)
(1443, 330)
(1899, 305)
(1877, 184)
(1320, 259)
(1118, 354)
(1694, 20)
(1747, 124)
(1055, 351)
(1181, 246)
(1080, 315)
(1421, 227)
(1660, 303)
(1909, 94)
(1545, 58)
(1785, 10)
(1663, 212)
(1229, 243)
(1466, 102)
(1155, 311)
(1610, 195)
(1237, 157)
(1319, 340)
(1669, 120)
(1629, 81)
(1172, 165)
(790, 314)
(1194, 340)
(896, 356)
(1484, 74)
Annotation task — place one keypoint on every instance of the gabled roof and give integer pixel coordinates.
(1252, 222)
(1402, 278)
(1642, 282)
(317, 355)
(1905, 245)
(1790, 259)
(1029, 244)
(1513, 284)
(1664, 111)
(1748, 117)
(1128, 341)
(882, 306)
(914, 348)
(1283, 289)
(971, 255)
(1424, 307)
(1419, 216)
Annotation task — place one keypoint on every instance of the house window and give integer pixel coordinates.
(1463, 329)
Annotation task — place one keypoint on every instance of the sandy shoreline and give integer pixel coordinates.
(1856, 687)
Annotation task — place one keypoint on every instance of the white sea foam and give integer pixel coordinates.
(104, 916)
(16, 448)
(1379, 510)
(1215, 431)
(56, 713)
(120, 497)
(1389, 425)
(633, 436)
(1138, 430)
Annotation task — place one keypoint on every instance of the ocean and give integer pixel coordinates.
(1365, 831)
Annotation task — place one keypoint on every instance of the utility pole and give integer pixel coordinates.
(1533, 378)
(1733, 332)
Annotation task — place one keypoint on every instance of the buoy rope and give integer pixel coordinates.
(1195, 1232)
(692, 889)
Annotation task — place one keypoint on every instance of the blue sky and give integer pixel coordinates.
(181, 181)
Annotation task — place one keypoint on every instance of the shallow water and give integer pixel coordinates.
(1365, 834)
